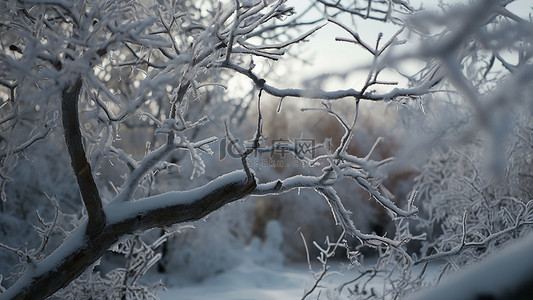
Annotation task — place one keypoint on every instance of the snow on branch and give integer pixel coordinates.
(79, 251)
(319, 94)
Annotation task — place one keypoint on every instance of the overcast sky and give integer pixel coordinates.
(330, 56)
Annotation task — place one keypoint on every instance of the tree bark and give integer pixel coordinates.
(82, 169)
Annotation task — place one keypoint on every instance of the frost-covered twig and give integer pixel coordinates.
(323, 258)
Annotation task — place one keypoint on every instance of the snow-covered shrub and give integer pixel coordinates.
(211, 246)
(268, 251)
(469, 206)
(41, 194)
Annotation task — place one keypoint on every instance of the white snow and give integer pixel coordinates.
(246, 281)
(118, 211)
(498, 274)
(251, 280)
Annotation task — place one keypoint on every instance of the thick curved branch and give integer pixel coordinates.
(80, 251)
(82, 169)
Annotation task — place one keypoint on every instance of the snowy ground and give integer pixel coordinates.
(501, 273)
(261, 275)
(249, 281)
